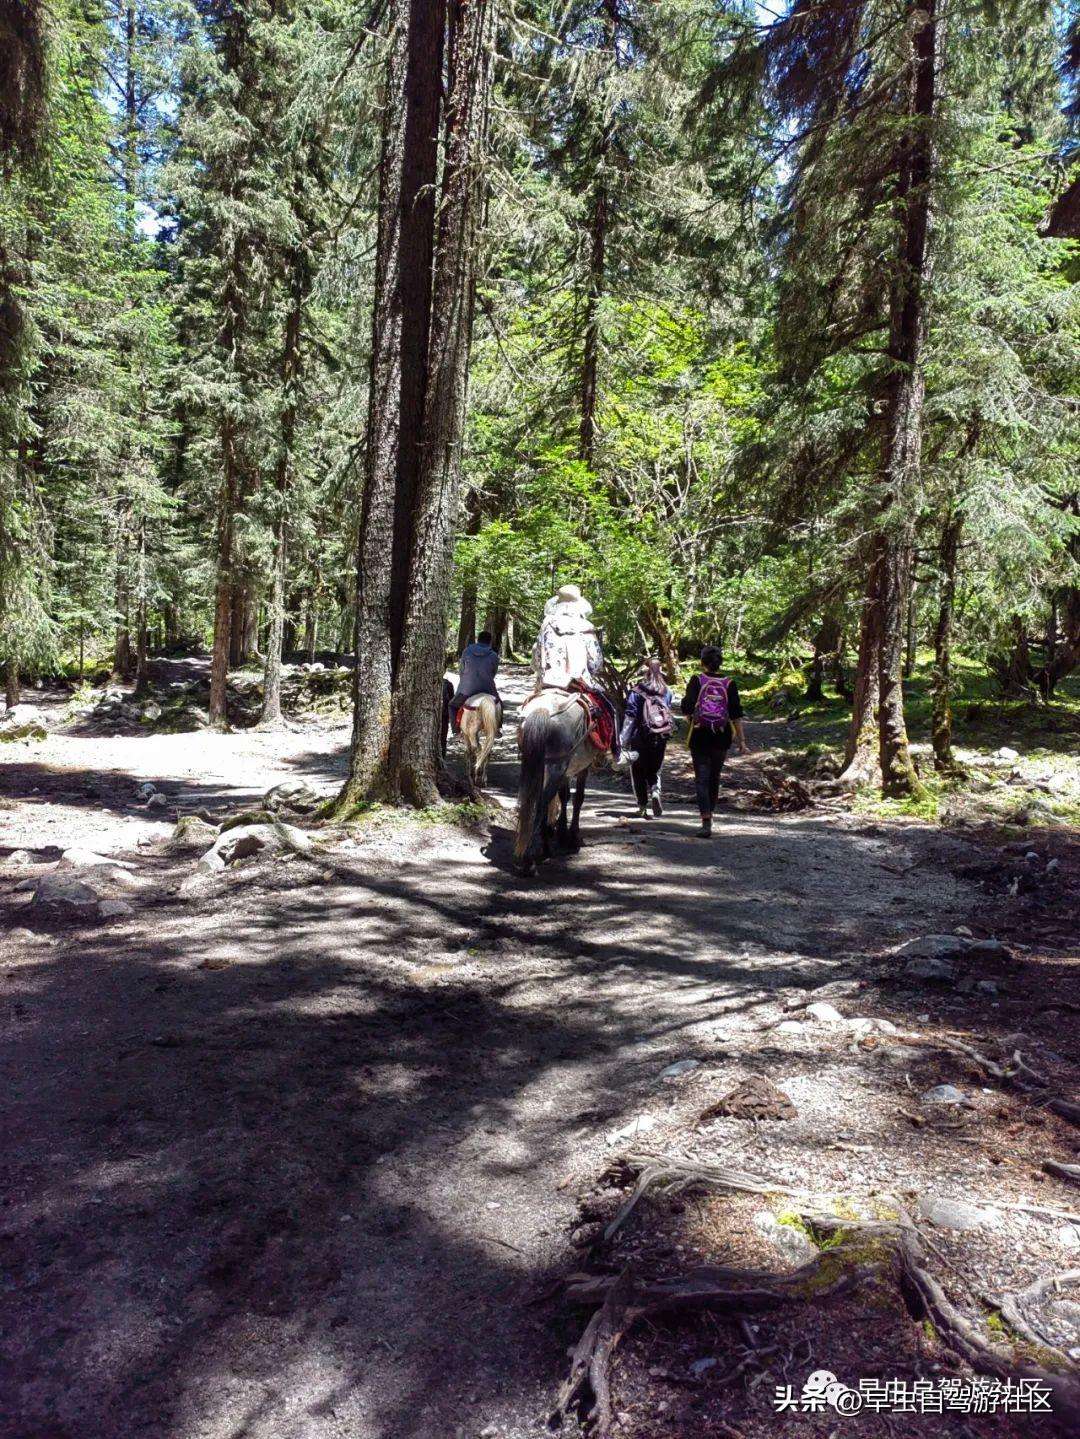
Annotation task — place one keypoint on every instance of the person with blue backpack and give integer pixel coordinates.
(716, 713)
(646, 727)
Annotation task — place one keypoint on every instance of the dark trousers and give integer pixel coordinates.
(708, 755)
(645, 770)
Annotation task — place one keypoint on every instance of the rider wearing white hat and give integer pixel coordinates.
(567, 652)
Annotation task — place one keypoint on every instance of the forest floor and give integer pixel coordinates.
(308, 1148)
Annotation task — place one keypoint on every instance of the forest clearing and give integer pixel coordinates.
(539, 785)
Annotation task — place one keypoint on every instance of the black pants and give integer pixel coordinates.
(645, 770)
(708, 754)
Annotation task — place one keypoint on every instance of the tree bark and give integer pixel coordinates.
(300, 283)
(861, 766)
(902, 442)
(12, 684)
(223, 590)
(941, 713)
(415, 749)
(656, 626)
(412, 83)
(598, 228)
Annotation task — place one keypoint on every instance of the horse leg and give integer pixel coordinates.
(553, 786)
(564, 802)
(575, 840)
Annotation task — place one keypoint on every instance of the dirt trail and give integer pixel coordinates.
(288, 1162)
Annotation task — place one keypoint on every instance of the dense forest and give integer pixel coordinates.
(359, 326)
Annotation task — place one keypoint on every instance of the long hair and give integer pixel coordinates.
(652, 681)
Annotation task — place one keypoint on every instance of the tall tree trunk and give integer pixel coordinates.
(407, 173)
(142, 635)
(123, 655)
(902, 443)
(415, 728)
(223, 591)
(598, 229)
(861, 753)
(656, 626)
(12, 684)
(941, 714)
(300, 283)
(910, 626)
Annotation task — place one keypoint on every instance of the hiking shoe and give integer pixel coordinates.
(705, 832)
(657, 807)
(643, 813)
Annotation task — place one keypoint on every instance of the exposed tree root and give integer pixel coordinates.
(965, 1340)
(1016, 1072)
(1069, 1172)
(625, 1301)
(734, 1293)
(1015, 1307)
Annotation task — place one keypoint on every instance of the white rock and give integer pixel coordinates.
(146, 789)
(1069, 1236)
(701, 1366)
(679, 1068)
(151, 711)
(789, 1026)
(825, 1013)
(211, 863)
(157, 801)
(641, 1125)
(115, 909)
(18, 857)
(955, 1213)
(89, 859)
(1006, 753)
(291, 794)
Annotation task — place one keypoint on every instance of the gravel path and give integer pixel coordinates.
(287, 1162)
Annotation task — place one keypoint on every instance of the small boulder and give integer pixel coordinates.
(190, 833)
(792, 1243)
(157, 801)
(945, 1094)
(151, 712)
(680, 1068)
(291, 794)
(115, 909)
(929, 967)
(22, 722)
(64, 891)
(955, 1214)
(19, 857)
(824, 1013)
(1007, 753)
(932, 946)
(76, 858)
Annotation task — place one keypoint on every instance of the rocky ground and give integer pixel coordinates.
(307, 1139)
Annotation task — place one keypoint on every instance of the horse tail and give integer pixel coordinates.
(533, 738)
(490, 717)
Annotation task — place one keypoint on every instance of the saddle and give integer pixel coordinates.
(599, 717)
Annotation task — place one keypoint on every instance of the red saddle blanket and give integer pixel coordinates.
(601, 716)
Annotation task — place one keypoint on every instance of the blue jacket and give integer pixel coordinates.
(478, 666)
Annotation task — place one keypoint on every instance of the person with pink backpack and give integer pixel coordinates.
(715, 711)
